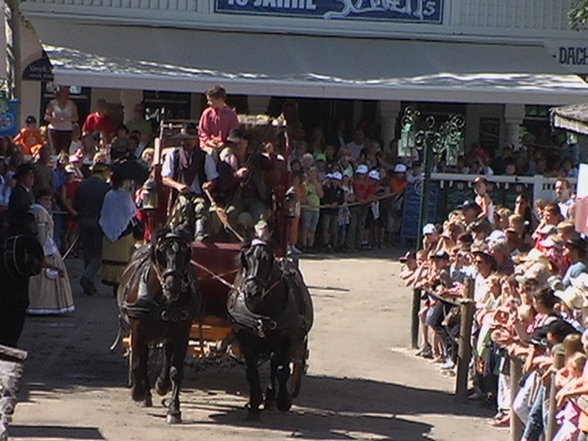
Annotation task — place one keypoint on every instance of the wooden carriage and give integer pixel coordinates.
(215, 263)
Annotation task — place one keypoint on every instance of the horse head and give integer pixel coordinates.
(171, 256)
(257, 264)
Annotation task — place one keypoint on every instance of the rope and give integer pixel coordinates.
(353, 204)
(222, 216)
(212, 274)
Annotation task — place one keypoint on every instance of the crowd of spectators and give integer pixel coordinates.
(530, 290)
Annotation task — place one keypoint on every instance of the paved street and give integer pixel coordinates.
(362, 382)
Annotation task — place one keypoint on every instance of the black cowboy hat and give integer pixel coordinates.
(189, 131)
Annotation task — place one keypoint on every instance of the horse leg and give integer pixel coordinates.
(176, 374)
(270, 393)
(255, 395)
(163, 383)
(283, 374)
(140, 389)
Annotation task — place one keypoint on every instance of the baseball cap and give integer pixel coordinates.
(374, 175)
(337, 176)
(469, 204)
(409, 255)
(400, 168)
(441, 254)
(361, 169)
(429, 229)
(320, 157)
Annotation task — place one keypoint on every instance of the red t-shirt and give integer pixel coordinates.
(98, 123)
(363, 191)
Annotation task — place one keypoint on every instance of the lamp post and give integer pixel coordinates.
(432, 139)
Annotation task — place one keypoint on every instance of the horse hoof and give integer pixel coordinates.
(270, 399)
(161, 388)
(253, 414)
(284, 403)
(175, 418)
(147, 402)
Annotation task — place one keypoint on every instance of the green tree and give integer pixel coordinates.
(578, 15)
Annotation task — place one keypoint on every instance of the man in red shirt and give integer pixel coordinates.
(217, 120)
(99, 121)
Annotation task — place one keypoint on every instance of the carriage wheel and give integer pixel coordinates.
(299, 367)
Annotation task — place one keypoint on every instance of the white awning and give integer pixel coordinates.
(573, 118)
(153, 58)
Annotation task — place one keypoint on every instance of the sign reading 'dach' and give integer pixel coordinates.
(420, 11)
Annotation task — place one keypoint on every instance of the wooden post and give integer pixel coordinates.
(11, 369)
(465, 335)
(414, 326)
(516, 372)
(551, 424)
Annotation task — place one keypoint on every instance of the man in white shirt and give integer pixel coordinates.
(563, 193)
(192, 173)
(357, 145)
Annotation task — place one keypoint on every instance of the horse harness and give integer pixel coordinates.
(261, 325)
(178, 311)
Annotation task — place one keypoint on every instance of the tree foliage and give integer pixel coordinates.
(578, 15)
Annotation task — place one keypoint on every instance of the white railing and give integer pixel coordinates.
(543, 188)
(140, 5)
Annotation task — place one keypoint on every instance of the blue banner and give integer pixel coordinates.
(419, 11)
(8, 123)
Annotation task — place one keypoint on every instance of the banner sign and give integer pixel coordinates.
(419, 11)
(8, 123)
(39, 70)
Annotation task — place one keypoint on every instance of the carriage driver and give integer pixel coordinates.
(192, 172)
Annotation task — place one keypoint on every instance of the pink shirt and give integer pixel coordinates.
(217, 124)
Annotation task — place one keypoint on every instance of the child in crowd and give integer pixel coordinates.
(483, 199)
(313, 192)
(30, 139)
(332, 199)
(344, 213)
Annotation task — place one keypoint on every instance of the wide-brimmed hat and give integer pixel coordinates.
(538, 273)
(578, 243)
(101, 167)
(573, 297)
(236, 135)
(189, 131)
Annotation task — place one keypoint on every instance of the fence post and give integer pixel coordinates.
(551, 425)
(11, 370)
(465, 335)
(516, 372)
(414, 325)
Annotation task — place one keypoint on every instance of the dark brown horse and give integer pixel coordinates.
(159, 298)
(271, 314)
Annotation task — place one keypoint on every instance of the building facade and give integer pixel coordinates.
(499, 63)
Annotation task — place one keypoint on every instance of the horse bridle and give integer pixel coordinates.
(254, 277)
(168, 272)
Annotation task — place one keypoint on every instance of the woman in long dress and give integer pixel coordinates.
(116, 221)
(50, 291)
